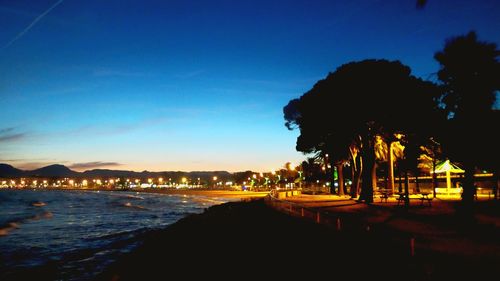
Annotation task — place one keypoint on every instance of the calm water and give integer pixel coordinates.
(79, 233)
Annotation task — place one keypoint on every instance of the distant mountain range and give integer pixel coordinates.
(61, 171)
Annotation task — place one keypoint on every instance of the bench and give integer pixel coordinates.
(480, 190)
(401, 198)
(384, 196)
(425, 198)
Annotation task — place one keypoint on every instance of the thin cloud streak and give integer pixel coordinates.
(93, 165)
(6, 130)
(12, 137)
(9, 135)
(33, 23)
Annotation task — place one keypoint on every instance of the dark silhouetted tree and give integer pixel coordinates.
(470, 75)
(353, 106)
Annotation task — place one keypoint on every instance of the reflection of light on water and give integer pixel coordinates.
(91, 217)
(38, 204)
(211, 201)
(135, 197)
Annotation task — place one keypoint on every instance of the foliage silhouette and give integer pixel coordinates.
(345, 113)
(470, 77)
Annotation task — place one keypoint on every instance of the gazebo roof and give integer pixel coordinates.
(446, 166)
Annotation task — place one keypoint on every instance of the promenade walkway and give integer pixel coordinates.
(429, 229)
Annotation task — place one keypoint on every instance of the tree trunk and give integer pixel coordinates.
(340, 174)
(390, 169)
(496, 180)
(407, 192)
(330, 179)
(466, 210)
(356, 169)
(417, 186)
(469, 187)
(374, 175)
(400, 182)
(367, 174)
(434, 176)
(367, 184)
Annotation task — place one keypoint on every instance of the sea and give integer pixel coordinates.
(75, 235)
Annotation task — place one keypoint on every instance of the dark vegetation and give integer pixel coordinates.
(373, 111)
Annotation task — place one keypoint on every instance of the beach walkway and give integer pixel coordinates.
(426, 229)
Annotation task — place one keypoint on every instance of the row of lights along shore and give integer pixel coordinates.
(256, 179)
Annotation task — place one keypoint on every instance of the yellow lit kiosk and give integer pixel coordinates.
(448, 168)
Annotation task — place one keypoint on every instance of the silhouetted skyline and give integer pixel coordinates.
(193, 85)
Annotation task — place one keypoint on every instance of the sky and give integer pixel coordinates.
(194, 85)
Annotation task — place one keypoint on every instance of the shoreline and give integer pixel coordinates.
(249, 237)
(238, 238)
(220, 193)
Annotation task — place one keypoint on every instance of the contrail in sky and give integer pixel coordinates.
(37, 19)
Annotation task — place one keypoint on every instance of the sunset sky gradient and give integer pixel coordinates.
(193, 85)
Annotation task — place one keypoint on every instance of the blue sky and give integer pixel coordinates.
(193, 85)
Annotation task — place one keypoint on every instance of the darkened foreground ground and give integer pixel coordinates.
(250, 240)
